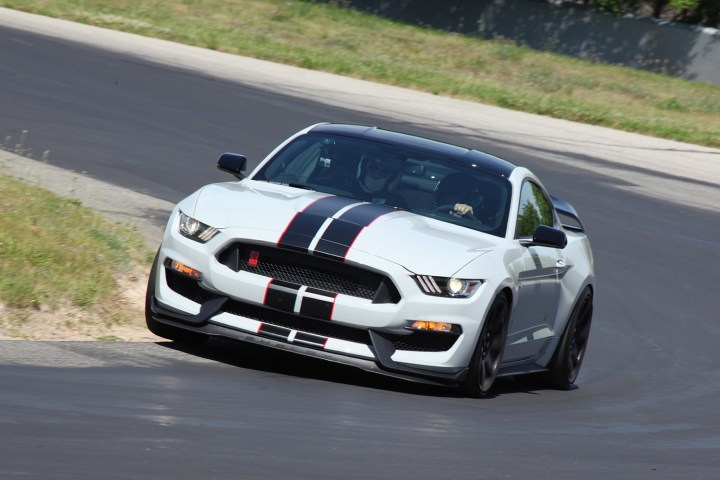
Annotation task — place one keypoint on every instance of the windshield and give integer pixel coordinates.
(403, 178)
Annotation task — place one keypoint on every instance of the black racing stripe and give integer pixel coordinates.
(282, 283)
(342, 232)
(337, 239)
(304, 226)
(281, 295)
(365, 214)
(328, 206)
(301, 231)
(274, 331)
(316, 308)
(310, 340)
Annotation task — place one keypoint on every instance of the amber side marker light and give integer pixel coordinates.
(184, 269)
(434, 326)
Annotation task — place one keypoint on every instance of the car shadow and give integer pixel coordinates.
(263, 359)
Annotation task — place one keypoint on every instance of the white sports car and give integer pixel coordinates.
(393, 253)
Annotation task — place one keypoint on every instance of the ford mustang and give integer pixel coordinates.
(394, 253)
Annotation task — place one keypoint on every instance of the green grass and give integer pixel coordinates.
(340, 40)
(54, 250)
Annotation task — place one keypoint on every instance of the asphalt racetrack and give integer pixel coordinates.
(646, 405)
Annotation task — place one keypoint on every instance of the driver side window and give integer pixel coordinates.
(535, 210)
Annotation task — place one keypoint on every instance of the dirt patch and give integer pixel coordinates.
(121, 319)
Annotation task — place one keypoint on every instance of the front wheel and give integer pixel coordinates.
(160, 329)
(489, 350)
(565, 365)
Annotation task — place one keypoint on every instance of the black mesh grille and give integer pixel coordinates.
(187, 287)
(309, 270)
(424, 341)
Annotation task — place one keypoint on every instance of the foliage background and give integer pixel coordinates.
(705, 13)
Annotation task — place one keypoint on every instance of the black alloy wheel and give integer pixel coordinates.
(485, 363)
(580, 336)
(565, 365)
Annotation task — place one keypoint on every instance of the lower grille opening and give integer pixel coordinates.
(424, 341)
(187, 287)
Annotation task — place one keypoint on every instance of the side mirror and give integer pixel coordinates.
(545, 236)
(233, 163)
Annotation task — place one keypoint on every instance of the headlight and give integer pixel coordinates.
(447, 287)
(195, 230)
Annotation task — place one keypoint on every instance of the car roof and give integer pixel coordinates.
(467, 156)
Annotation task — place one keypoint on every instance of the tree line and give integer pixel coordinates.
(705, 13)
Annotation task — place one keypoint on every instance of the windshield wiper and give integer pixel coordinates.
(300, 185)
(291, 184)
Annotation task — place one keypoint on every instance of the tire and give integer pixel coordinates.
(565, 365)
(485, 362)
(175, 334)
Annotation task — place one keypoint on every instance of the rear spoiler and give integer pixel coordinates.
(568, 216)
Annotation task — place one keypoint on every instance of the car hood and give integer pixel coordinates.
(419, 244)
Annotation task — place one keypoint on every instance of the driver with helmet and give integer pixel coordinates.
(377, 177)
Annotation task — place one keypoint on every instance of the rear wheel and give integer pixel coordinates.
(565, 365)
(485, 362)
(160, 329)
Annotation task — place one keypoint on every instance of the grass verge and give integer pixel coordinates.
(333, 38)
(59, 256)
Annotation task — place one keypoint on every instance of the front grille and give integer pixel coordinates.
(308, 270)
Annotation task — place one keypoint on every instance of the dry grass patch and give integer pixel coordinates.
(64, 268)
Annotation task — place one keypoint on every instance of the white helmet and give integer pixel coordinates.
(377, 174)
